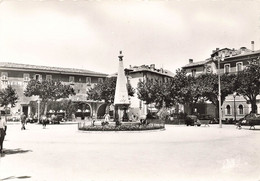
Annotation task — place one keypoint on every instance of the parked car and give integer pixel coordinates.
(250, 119)
(210, 118)
(192, 120)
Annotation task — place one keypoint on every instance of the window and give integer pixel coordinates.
(100, 80)
(4, 76)
(228, 110)
(48, 77)
(226, 68)
(193, 72)
(26, 77)
(38, 77)
(88, 80)
(241, 109)
(239, 66)
(71, 79)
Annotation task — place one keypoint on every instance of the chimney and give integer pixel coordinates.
(190, 60)
(217, 49)
(253, 46)
(152, 66)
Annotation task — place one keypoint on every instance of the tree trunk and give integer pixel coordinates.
(253, 105)
(191, 108)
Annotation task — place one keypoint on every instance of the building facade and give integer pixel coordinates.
(233, 61)
(142, 73)
(18, 76)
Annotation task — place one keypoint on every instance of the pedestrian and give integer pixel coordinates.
(44, 121)
(3, 127)
(23, 120)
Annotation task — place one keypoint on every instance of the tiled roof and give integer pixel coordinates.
(194, 64)
(244, 54)
(49, 69)
(146, 68)
(157, 71)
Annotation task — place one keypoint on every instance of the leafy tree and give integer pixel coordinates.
(48, 90)
(248, 84)
(158, 92)
(209, 85)
(187, 89)
(146, 91)
(8, 96)
(106, 90)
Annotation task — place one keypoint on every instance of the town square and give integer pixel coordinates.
(130, 90)
(61, 152)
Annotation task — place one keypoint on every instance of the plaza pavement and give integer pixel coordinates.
(62, 153)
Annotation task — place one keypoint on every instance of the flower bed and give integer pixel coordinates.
(128, 126)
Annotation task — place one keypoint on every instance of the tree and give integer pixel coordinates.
(209, 85)
(48, 90)
(158, 92)
(106, 90)
(187, 89)
(248, 84)
(8, 96)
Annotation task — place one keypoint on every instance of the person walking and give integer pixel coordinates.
(44, 121)
(23, 119)
(3, 127)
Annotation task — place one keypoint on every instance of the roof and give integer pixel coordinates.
(146, 68)
(164, 72)
(244, 54)
(195, 64)
(49, 69)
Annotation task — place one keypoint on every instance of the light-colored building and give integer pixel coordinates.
(18, 76)
(142, 73)
(234, 106)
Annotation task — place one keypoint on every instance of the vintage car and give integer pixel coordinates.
(251, 120)
(192, 120)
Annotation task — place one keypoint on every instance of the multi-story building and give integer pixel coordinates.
(18, 76)
(234, 106)
(142, 73)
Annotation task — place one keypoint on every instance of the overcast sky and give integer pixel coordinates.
(89, 34)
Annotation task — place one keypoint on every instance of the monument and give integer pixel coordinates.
(121, 101)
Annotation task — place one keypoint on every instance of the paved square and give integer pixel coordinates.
(61, 152)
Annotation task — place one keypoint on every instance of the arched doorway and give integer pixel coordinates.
(101, 111)
(83, 110)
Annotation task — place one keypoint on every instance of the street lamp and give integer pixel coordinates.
(219, 89)
(234, 95)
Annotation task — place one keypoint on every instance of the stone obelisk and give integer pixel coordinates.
(121, 101)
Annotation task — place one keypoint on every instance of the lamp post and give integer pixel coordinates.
(219, 91)
(234, 95)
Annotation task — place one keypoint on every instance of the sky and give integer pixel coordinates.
(89, 34)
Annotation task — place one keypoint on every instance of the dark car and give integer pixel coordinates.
(209, 118)
(250, 119)
(192, 120)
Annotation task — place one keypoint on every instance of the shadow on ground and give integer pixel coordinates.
(15, 151)
(13, 177)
